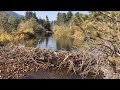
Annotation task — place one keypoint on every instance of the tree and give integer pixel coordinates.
(40, 21)
(105, 25)
(7, 22)
(3, 21)
(30, 14)
(47, 24)
(34, 16)
(27, 15)
(69, 16)
(47, 20)
(12, 23)
(64, 18)
(58, 19)
(61, 18)
(77, 14)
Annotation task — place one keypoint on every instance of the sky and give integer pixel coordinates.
(51, 14)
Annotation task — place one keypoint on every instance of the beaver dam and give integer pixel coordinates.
(35, 63)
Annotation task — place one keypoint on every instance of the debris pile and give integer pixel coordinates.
(16, 62)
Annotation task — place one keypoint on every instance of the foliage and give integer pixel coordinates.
(99, 29)
(47, 24)
(61, 31)
(4, 37)
(30, 14)
(69, 16)
(63, 18)
(14, 29)
(27, 26)
(7, 23)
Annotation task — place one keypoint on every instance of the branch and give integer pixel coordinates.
(107, 16)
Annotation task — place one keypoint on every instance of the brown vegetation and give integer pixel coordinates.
(16, 62)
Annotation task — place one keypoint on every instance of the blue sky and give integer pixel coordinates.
(51, 14)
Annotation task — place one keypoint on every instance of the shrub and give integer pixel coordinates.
(61, 31)
(5, 37)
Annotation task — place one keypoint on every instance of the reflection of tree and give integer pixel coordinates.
(45, 38)
(42, 40)
(30, 43)
(27, 43)
(64, 43)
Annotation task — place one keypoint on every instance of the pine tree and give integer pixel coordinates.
(47, 24)
(69, 16)
(64, 18)
(61, 18)
(30, 14)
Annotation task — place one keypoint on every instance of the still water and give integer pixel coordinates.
(47, 42)
(54, 43)
(50, 42)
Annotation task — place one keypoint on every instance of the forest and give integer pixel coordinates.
(96, 52)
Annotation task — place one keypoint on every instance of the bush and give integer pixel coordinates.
(78, 35)
(5, 37)
(61, 31)
(39, 29)
(25, 27)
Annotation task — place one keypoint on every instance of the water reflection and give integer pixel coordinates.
(64, 43)
(49, 41)
(55, 43)
(26, 43)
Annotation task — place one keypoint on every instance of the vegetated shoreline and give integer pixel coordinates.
(16, 62)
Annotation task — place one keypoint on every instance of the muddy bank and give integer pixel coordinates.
(34, 63)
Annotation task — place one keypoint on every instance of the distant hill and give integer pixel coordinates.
(11, 13)
(14, 14)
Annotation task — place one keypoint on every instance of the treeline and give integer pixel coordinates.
(9, 23)
(28, 27)
(63, 18)
(66, 18)
(43, 22)
(66, 24)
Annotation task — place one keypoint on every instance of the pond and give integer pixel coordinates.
(49, 41)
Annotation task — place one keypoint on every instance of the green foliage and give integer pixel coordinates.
(30, 14)
(60, 31)
(13, 23)
(47, 24)
(99, 29)
(69, 16)
(7, 23)
(61, 17)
